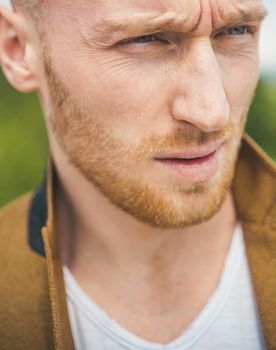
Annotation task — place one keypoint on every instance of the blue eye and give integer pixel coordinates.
(144, 42)
(236, 31)
(144, 39)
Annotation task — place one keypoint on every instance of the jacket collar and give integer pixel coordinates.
(41, 212)
(44, 240)
(38, 214)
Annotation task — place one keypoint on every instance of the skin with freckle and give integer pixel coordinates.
(134, 101)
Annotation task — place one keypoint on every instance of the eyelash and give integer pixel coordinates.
(247, 30)
(150, 38)
(143, 40)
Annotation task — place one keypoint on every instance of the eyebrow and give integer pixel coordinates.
(170, 23)
(149, 24)
(257, 14)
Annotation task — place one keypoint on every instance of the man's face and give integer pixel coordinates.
(148, 99)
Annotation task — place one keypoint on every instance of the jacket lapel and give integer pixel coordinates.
(62, 333)
(261, 251)
(255, 195)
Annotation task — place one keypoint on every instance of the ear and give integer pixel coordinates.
(17, 52)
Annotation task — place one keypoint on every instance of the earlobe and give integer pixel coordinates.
(16, 51)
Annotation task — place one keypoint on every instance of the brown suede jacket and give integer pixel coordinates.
(33, 311)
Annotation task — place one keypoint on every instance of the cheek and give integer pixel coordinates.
(126, 103)
(240, 77)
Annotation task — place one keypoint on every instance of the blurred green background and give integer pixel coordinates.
(23, 141)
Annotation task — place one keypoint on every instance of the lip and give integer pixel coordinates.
(194, 164)
(191, 152)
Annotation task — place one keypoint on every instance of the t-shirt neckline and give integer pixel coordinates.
(190, 335)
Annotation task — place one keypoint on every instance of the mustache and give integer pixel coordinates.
(183, 137)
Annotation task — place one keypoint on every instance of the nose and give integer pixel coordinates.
(199, 97)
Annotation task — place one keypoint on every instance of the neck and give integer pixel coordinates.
(93, 232)
(131, 268)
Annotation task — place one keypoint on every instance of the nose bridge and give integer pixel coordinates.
(205, 71)
(201, 96)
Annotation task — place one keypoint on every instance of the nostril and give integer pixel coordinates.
(203, 113)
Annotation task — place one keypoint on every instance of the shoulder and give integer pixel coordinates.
(20, 261)
(15, 251)
(18, 208)
(255, 184)
(13, 226)
(23, 279)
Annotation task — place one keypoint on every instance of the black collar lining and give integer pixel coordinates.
(38, 214)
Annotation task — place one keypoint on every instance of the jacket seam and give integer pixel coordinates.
(53, 293)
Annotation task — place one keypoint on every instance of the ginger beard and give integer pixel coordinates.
(126, 174)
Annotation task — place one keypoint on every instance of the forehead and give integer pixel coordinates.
(154, 5)
(100, 18)
(96, 11)
(166, 5)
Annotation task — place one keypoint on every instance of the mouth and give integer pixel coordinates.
(192, 165)
(193, 161)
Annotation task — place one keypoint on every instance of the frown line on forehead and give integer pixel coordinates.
(171, 21)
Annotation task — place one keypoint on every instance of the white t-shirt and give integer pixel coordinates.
(228, 321)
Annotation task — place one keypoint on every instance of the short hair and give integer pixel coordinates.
(25, 4)
(33, 8)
